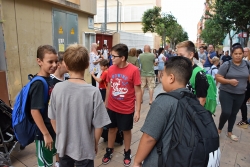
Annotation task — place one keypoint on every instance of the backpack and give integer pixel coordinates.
(24, 127)
(211, 101)
(195, 140)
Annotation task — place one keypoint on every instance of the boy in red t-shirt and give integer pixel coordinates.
(102, 80)
(124, 89)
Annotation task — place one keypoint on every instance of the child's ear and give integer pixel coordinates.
(123, 58)
(171, 78)
(39, 61)
(66, 66)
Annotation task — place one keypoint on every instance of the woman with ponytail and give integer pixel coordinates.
(198, 83)
(234, 78)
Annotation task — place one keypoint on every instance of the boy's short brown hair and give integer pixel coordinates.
(43, 49)
(121, 49)
(76, 58)
(60, 56)
(104, 62)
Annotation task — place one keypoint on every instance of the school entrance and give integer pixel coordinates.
(104, 39)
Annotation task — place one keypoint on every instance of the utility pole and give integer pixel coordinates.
(105, 16)
(117, 15)
(120, 16)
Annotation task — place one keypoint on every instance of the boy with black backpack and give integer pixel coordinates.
(178, 137)
(47, 60)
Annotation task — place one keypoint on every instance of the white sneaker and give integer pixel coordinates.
(56, 164)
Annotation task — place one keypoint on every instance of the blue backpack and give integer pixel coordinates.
(24, 128)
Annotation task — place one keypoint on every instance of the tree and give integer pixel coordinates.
(150, 19)
(176, 34)
(212, 33)
(154, 21)
(220, 17)
(237, 13)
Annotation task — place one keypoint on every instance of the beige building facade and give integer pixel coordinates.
(27, 24)
(129, 16)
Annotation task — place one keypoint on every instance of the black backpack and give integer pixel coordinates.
(195, 139)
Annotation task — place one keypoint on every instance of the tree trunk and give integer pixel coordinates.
(164, 39)
(247, 38)
(231, 41)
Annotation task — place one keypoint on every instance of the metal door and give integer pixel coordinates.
(65, 29)
(72, 27)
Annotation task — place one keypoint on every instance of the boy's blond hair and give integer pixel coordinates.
(215, 59)
(76, 58)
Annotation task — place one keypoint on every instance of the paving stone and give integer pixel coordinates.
(242, 160)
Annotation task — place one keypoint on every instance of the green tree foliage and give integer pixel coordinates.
(176, 34)
(155, 21)
(150, 19)
(212, 33)
(220, 17)
(233, 15)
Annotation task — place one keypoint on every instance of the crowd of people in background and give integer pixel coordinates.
(121, 75)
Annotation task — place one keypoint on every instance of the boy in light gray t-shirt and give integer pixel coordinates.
(77, 112)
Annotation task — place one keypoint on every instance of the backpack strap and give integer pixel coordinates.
(212, 70)
(192, 79)
(45, 88)
(229, 65)
(247, 64)
(159, 145)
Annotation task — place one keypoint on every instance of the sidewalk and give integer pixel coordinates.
(234, 154)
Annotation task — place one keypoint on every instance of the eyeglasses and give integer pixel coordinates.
(113, 56)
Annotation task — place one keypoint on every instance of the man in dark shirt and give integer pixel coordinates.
(226, 57)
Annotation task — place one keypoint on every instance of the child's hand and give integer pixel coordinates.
(137, 165)
(92, 73)
(136, 116)
(48, 141)
(96, 148)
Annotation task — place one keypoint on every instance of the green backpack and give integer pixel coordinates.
(211, 101)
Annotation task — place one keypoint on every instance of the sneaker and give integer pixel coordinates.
(127, 158)
(56, 164)
(107, 157)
